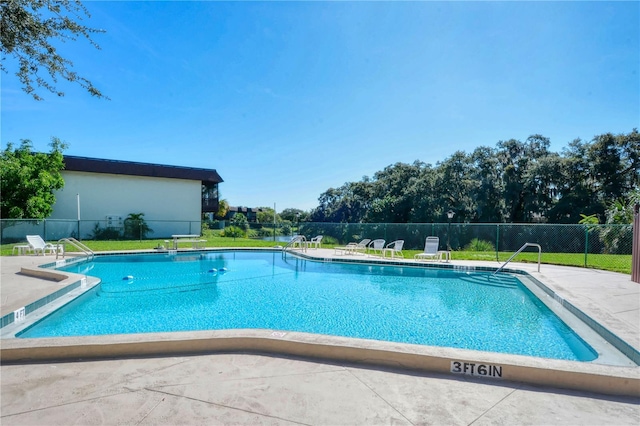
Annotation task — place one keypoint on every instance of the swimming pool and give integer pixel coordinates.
(236, 290)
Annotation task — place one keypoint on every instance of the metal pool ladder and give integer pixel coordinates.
(518, 252)
(300, 240)
(77, 244)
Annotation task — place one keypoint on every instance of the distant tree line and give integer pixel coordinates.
(516, 182)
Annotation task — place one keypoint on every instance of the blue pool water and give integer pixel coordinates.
(234, 290)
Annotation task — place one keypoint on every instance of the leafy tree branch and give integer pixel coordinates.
(29, 29)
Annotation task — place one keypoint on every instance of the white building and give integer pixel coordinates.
(100, 194)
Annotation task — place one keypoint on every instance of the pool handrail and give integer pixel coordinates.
(77, 244)
(518, 252)
(299, 239)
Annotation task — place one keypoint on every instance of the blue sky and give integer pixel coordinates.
(289, 99)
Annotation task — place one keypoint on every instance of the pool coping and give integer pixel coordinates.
(599, 378)
(606, 379)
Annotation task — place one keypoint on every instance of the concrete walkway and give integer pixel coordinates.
(241, 388)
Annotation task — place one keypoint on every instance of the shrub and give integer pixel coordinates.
(329, 240)
(264, 232)
(135, 227)
(99, 233)
(233, 232)
(210, 233)
(240, 221)
(285, 229)
(479, 245)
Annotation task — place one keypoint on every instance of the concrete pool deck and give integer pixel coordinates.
(296, 378)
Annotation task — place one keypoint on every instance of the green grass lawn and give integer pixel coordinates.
(607, 262)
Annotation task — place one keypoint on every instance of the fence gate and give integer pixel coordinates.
(635, 256)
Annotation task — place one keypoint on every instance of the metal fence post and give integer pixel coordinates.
(497, 242)
(635, 252)
(586, 244)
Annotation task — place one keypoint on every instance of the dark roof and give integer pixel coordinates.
(97, 165)
(241, 209)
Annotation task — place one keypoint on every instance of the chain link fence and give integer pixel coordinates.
(15, 230)
(597, 246)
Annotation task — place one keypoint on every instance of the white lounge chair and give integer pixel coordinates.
(354, 248)
(394, 248)
(315, 242)
(38, 245)
(376, 246)
(430, 249)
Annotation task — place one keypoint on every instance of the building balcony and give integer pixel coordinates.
(210, 205)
